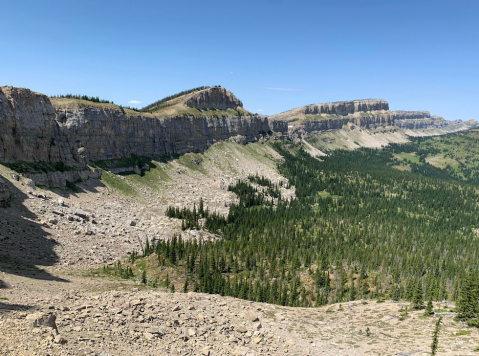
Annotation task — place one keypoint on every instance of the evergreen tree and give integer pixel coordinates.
(468, 303)
(435, 337)
(418, 297)
(429, 308)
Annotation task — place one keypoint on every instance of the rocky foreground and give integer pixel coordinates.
(105, 317)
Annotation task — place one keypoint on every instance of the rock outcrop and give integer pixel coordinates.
(59, 179)
(341, 108)
(32, 131)
(347, 107)
(371, 121)
(367, 114)
(412, 115)
(106, 133)
(29, 131)
(214, 98)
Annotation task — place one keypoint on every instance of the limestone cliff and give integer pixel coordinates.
(106, 133)
(367, 114)
(411, 115)
(31, 130)
(341, 108)
(214, 98)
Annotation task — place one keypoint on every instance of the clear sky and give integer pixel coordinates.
(273, 55)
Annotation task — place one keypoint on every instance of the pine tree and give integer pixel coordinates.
(418, 297)
(429, 307)
(435, 337)
(467, 305)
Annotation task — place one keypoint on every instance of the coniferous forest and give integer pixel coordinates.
(358, 228)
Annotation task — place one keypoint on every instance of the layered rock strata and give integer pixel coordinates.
(339, 108)
(367, 114)
(32, 131)
(214, 98)
(412, 115)
(59, 179)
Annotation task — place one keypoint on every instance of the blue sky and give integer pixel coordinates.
(418, 55)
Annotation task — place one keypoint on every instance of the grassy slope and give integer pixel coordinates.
(352, 139)
(223, 155)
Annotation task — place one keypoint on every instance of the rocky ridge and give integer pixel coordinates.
(31, 130)
(338, 108)
(366, 114)
(214, 98)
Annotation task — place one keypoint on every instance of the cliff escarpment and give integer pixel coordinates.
(367, 114)
(341, 108)
(411, 115)
(31, 130)
(110, 134)
(214, 98)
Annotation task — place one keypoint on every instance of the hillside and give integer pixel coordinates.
(203, 101)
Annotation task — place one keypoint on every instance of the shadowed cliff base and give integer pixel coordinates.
(24, 244)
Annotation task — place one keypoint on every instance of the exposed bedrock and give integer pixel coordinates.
(29, 131)
(109, 134)
(346, 107)
(32, 131)
(370, 121)
(342, 108)
(214, 98)
(410, 115)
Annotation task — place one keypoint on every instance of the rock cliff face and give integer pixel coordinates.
(214, 98)
(346, 107)
(110, 134)
(414, 120)
(371, 121)
(367, 114)
(410, 115)
(32, 131)
(28, 129)
(341, 108)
